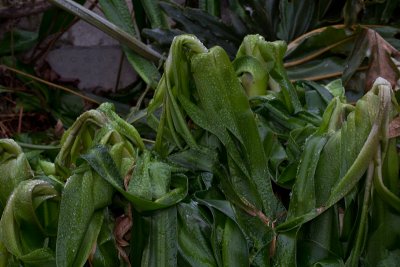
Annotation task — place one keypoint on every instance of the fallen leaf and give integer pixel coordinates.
(394, 128)
(369, 44)
(123, 226)
(381, 64)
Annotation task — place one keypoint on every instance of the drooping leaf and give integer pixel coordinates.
(235, 120)
(338, 171)
(144, 197)
(14, 168)
(23, 230)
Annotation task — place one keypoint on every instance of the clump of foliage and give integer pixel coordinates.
(249, 153)
(237, 167)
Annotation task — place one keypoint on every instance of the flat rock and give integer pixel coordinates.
(94, 67)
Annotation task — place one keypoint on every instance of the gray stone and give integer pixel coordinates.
(84, 34)
(87, 54)
(95, 67)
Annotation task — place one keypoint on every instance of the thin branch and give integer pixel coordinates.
(119, 73)
(21, 112)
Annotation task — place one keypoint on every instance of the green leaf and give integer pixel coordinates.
(162, 247)
(358, 140)
(101, 126)
(89, 239)
(336, 88)
(253, 76)
(202, 159)
(208, 28)
(234, 247)
(235, 126)
(270, 57)
(256, 16)
(118, 13)
(14, 167)
(105, 253)
(101, 161)
(382, 190)
(317, 69)
(154, 14)
(194, 230)
(84, 196)
(337, 38)
(303, 194)
(17, 41)
(391, 259)
(139, 236)
(296, 17)
(175, 81)
(23, 230)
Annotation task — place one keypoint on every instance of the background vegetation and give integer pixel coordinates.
(279, 153)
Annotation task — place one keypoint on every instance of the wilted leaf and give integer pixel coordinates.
(339, 170)
(369, 44)
(394, 128)
(29, 202)
(14, 168)
(141, 193)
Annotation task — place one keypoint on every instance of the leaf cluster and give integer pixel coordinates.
(245, 169)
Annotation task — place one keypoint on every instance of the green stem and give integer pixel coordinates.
(38, 147)
(356, 253)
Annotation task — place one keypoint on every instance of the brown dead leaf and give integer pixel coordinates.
(394, 128)
(59, 128)
(381, 64)
(123, 226)
(369, 44)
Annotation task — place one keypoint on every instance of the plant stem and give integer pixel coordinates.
(356, 252)
(38, 147)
